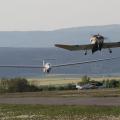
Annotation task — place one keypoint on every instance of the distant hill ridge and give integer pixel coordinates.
(76, 35)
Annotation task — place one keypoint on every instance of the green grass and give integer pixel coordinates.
(48, 112)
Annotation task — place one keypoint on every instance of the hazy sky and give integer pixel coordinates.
(55, 14)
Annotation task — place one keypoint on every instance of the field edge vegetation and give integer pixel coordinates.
(14, 85)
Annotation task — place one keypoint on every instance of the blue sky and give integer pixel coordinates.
(55, 14)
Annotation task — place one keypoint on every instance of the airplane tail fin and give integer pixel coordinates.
(43, 62)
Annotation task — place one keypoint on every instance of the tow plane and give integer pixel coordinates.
(47, 67)
(97, 44)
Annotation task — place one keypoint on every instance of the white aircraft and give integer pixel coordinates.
(89, 86)
(79, 87)
(97, 43)
(47, 66)
(86, 86)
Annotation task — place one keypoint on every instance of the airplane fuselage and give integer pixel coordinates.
(46, 67)
(97, 42)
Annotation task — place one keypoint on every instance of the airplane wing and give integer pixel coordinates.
(87, 46)
(111, 45)
(20, 66)
(60, 65)
(84, 62)
(75, 47)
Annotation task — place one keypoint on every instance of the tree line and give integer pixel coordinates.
(22, 85)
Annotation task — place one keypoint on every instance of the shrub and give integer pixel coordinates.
(111, 83)
(70, 87)
(16, 85)
(85, 80)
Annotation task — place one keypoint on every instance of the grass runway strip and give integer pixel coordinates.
(112, 92)
(56, 112)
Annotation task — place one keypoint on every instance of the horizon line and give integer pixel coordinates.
(56, 29)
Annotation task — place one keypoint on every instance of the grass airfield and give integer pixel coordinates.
(66, 94)
(61, 112)
(48, 112)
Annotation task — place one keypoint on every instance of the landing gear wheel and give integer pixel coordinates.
(86, 52)
(110, 51)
